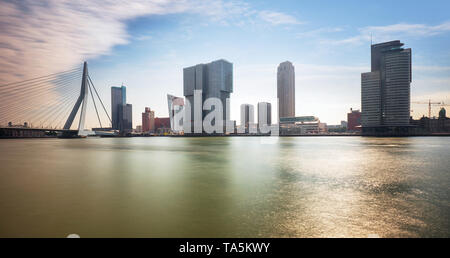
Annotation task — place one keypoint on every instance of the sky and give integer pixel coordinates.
(145, 45)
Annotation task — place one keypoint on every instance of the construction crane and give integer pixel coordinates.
(429, 105)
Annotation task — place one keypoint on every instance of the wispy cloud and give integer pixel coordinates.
(43, 37)
(278, 18)
(395, 31)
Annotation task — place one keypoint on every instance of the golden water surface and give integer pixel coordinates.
(225, 187)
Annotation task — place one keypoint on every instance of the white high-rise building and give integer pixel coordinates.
(264, 114)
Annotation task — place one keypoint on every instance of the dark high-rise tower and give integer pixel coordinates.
(385, 91)
(121, 111)
(118, 100)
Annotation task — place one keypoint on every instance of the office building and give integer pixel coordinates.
(264, 114)
(148, 120)
(247, 116)
(212, 80)
(127, 122)
(162, 125)
(121, 112)
(286, 89)
(385, 91)
(176, 109)
(118, 100)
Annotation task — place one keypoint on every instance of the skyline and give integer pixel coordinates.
(146, 48)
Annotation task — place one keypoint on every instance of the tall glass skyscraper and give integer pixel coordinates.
(385, 91)
(127, 122)
(286, 89)
(121, 112)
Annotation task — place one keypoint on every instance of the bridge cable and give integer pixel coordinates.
(36, 91)
(98, 96)
(21, 99)
(13, 88)
(95, 105)
(50, 75)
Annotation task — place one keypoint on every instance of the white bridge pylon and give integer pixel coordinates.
(82, 100)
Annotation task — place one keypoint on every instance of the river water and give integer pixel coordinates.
(225, 187)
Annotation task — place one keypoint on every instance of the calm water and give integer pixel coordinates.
(225, 187)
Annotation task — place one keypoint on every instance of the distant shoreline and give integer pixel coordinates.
(239, 135)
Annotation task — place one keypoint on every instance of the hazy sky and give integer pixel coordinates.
(146, 44)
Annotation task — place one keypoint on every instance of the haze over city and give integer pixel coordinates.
(145, 47)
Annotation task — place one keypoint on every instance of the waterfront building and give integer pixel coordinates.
(385, 91)
(301, 125)
(176, 109)
(118, 100)
(298, 119)
(162, 125)
(127, 122)
(264, 114)
(247, 117)
(426, 125)
(121, 112)
(148, 120)
(212, 80)
(286, 89)
(353, 120)
(323, 128)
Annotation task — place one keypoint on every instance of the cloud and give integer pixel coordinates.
(395, 31)
(277, 18)
(43, 37)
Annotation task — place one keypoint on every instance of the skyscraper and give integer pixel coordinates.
(385, 91)
(264, 114)
(118, 100)
(286, 89)
(213, 80)
(247, 116)
(127, 122)
(148, 120)
(176, 107)
(121, 112)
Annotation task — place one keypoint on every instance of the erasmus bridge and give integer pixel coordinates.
(55, 104)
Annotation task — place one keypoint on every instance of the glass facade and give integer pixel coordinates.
(385, 92)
